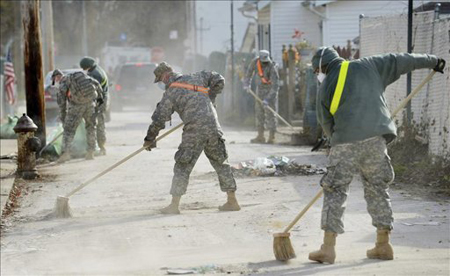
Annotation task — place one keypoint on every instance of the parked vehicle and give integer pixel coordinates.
(134, 86)
(51, 106)
(113, 56)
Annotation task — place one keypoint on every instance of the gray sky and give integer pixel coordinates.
(217, 17)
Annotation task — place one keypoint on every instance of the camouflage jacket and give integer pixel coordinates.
(196, 109)
(65, 86)
(270, 73)
(363, 110)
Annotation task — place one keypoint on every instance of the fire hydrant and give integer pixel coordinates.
(27, 145)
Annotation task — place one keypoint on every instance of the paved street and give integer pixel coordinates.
(117, 230)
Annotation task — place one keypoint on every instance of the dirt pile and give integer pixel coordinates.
(416, 169)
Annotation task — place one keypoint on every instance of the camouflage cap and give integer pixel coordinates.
(161, 69)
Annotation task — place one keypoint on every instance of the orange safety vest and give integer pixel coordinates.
(192, 87)
(261, 74)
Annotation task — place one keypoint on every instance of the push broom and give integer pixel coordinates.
(270, 109)
(282, 246)
(62, 208)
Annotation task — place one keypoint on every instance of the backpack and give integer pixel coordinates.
(83, 89)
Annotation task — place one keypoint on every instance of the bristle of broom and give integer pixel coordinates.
(62, 208)
(282, 247)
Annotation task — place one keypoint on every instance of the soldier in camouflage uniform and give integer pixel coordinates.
(267, 83)
(193, 97)
(72, 113)
(95, 71)
(359, 129)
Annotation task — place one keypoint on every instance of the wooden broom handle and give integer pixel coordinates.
(300, 215)
(413, 93)
(120, 162)
(271, 110)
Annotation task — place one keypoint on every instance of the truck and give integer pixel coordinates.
(113, 56)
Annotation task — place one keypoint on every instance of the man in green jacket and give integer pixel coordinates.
(359, 126)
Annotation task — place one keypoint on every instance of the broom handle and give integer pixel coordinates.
(271, 110)
(51, 142)
(413, 93)
(400, 107)
(120, 162)
(300, 215)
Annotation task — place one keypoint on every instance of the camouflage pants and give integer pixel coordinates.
(265, 117)
(74, 115)
(187, 155)
(100, 127)
(368, 158)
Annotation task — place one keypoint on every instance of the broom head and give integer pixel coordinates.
(62, 208)
(282, 247)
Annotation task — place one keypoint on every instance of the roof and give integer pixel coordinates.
(430, 6)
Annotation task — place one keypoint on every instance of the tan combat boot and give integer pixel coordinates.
(326, 254)
(231, 204)
(89, 155)
(64, 157)
(383, 249)
(102, 150)
(271, 139)
(173, 207)
(260, 138)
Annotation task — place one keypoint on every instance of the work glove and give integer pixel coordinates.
(265, 103)
(440, 66)
(149, 144)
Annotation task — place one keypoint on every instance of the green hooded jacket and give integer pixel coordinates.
(363, 111)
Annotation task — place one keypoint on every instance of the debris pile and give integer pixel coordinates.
(275, 166)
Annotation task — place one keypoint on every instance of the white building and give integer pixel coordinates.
(332, 22)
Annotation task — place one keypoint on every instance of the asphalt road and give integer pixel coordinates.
(117, 230)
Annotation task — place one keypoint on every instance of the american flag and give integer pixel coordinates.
(9, 79)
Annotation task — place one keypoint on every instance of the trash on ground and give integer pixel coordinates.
(264, 166)
(7, 129)
(79, 143)
(275, 166)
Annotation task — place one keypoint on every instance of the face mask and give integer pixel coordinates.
(56, 84)
(161, 85)
(321, 76)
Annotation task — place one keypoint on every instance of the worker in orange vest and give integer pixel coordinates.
(267, 83)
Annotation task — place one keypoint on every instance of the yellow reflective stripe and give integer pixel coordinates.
(103, 76)
(339, 87)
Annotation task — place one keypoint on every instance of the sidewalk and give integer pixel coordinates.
(8, 167)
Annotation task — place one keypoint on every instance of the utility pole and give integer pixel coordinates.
(232, 52)
(47, 20)
(194, 65)
(84, 40)
(408, 76)
(34, 80)
(201, 29)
